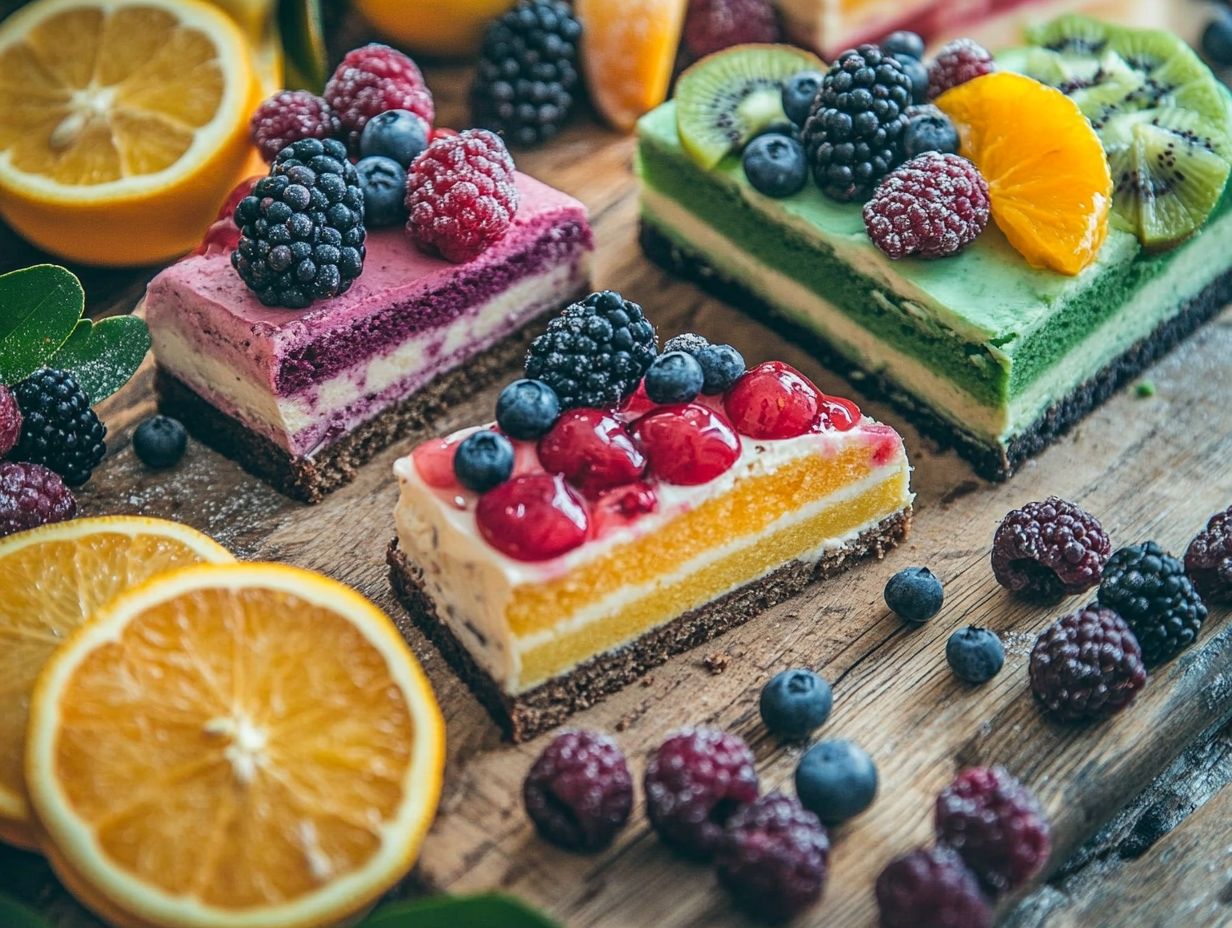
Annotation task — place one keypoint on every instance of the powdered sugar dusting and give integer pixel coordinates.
(931, 207)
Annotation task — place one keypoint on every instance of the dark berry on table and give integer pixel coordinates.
(996, 825)
(1087, 665)
(32, 495)
(527, 82)
(595, 352)
(774, 858)
(914, 594)
(976, 655)
(383, 182)
(916, 70)
(904, 43)
(837, 780)
(1049, 549)
(927, 131)
(396, 134)
(854, 131)
(160, 441)
(798, 93)
(461, 195)
(10, 420)
(712, 25)
(533, 517)
(931, 888)
(933, 206)
(372, 79)
(695, 781)
(722, 366)
(688, 342)
(593, 450)
(1150, 590)
(773, 400)
(795, 703)
(687, 445)
(956, 63)
(775, 165)
(58, 428)
(527, 409)
(1217, 39)
(484, 460)
(1208, 560)
(288, 117)
(579, 791)
(674, 377)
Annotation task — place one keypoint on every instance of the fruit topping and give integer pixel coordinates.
(461, 196)
(223, 234)
(1208, 560)
(396, 134)
(595, 352)
(931, 888)
(371, 80)
(579, 792)
(836, 780)
(1049, 549)
(10, 420)
(32, 495)
(527, 79)
(957, 63)
(976, 655)
(383, 182)
(837, 413)
(688, 342)
(795, 703)
(713, 25)
(591, 449)
(58, 429)
(929, 129)
(1150, 590)
(160, 441)
(533, 517)
(687, 445)
(933, 206)
(798, 93)
(434, 462)
(288, 117)
(621, 506)
(773, 400)
(674, 377)
(1087, 665)
(917, 72)
(775, 164)
(483, 460)
(904, 43)
(722, 366)
(696, 780)
(728, 98)
(914, 594)
(527, 409)
(855, 131)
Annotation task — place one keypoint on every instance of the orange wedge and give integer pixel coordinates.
(53, 578)
(238, 745)
(1048, 178)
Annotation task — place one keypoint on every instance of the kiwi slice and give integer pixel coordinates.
(727, 98)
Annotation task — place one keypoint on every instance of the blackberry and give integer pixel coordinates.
(854, 131)
(595, 352)
(1208, 559)
(59, 429)
(1086, 666)
(1150, 590)
(302, 227)
(528, 74)
(1049, 549)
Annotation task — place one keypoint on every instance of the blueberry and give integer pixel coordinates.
(527, 409)
(674, 377)
(904, 43)
(836, 780)
(396, 134)
(914, 595)
(795, 703)
(484, 460)
(160, 441)
(975, 654)
(722, 366)
(383, 182)
(1217, 39)
(775, 165)
(798, 93)
(930, 131)
(919, 76)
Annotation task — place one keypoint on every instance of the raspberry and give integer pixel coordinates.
(996, 825)
(712, 25)
(774, 857)
(687, 445)
(10, 420)
(533, 517)
(931, 888)
(59, 429)
(695, 781)
(371, 80)
(288, 117)
(956, 63)
(773, 400)
(933, 206)
(460, 195)
(1208, 559)
(1050, 549)
(30, 496)
(1149, 589)
(592, 450)
(1087, 665)
(579, 792)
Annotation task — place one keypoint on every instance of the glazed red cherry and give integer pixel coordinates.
(592, 450)
(773, 400)
(533, 517)
(838, 414)
(689, 444)
(434, 462)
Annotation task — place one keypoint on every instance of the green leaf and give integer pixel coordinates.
(15, 915)
(104, 355)
(39, 306)
(306, 63)
(490, 911)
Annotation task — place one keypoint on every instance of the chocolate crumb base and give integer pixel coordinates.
(992, 462)
(526, 715)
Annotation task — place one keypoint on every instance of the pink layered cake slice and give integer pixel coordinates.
(301, 398)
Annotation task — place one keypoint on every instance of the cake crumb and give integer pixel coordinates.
(647, 681)
(1145, 388)
(716, 662)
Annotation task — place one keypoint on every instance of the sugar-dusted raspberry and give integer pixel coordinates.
(460, 195)
(1049, 549)
(1149, 589)
(10, 420)
(931, 888)
(933, 206)
(711, 25)
(288, 117)
(371, 80)
(956, 63)
(996, 825)
(579, 792)
(695, 782)
(1209, 559)
(1087, 665)
(30, 496)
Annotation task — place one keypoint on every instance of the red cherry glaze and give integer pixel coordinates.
(534, 517)
(687, 445)
(623, 505)
(773, 400)
(638, 404)
(434, 462)
(838, 414)
(440, 132)
(886, 443)
(593, 450)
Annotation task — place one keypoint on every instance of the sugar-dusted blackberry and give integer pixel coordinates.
(1208, 560)
(1086, 666)
(1150, 590)
(1049, 549)
(59, 429)
(32, 495)
(302, 227)
(527, 80)
(595, 352)
(854, 131)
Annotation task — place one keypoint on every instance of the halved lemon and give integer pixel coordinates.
(242, 745)
(123, 124)
(53, 578)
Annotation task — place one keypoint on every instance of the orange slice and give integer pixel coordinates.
(1048, 178)
(239, 745)
(53, 579)
(436, 27)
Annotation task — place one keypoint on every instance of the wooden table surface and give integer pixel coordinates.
(1148, 467)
